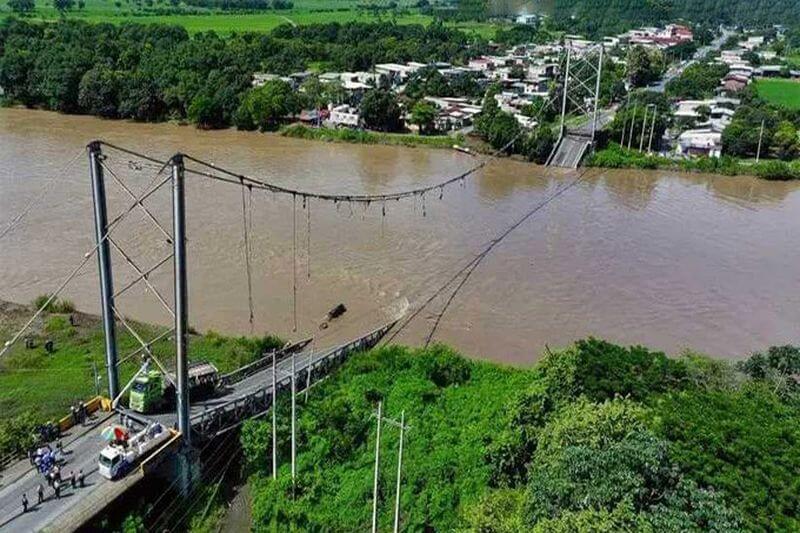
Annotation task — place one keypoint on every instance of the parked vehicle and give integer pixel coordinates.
(120, 456)
(151, 392)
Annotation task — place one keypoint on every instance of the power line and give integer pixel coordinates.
(467, 269)
(39, 197)
(110, 227)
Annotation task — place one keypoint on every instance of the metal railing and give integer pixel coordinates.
(219, 418)
(259, 364)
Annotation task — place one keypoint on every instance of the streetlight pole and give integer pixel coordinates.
(399, 473)
(644, 128)
(377, 466)
(652, 129)
(294, 424)
(274, 418)
(760, 137)
(633, 124)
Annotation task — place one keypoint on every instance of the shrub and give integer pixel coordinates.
(601, 370)
(55, 306)
(444, 367)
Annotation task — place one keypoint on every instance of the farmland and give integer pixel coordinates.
(197, 20)
(785, 93)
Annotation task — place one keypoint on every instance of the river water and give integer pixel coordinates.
(664, 259)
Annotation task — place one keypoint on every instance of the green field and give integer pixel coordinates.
(785, 93)
(197, 20)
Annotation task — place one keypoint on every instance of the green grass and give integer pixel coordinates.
(45, 384)
(348, 135)
(197, 20)
(781, 92)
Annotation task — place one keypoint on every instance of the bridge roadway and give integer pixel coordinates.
(82, 444)
(252, 394)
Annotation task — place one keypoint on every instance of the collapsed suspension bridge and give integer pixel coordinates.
(245, 393)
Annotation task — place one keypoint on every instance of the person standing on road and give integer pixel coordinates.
(57, 488)
(40, 492)
(24, 503)
(81, 479)
(72, 478)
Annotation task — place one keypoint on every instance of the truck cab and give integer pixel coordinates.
(147, 392)
(113, 462)
(151, 392)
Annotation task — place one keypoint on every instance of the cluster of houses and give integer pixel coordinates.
(527, 72)
(717, 113)
(651, 37)
(524, 72)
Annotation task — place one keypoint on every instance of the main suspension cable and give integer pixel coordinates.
(485, 253)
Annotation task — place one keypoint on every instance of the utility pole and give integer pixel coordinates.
(274, 419)
(760, 137)
(564, 98)
(377, 465)
(597, 91)
(399, 473)
(308, 372)
(181, 295)
(644, 128)
(633, 124)
(652, 129)
(294, 432)
(104, 264)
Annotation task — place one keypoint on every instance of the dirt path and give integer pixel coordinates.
(238, 517)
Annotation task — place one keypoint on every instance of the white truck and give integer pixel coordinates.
(117, 459)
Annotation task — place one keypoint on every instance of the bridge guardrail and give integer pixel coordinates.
(259, 364)
(224, 416)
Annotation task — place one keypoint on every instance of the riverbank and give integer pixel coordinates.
(615, 156)
(360, 136)
(37, 385)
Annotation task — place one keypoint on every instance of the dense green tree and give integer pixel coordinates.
(63, 5)
(504, 132)
(206, 111)
(644, 65)
(785, 141)
(539, 144)
(517, 72)
(423, 114)
(139, 98)
(697, 81)
(745, 443)
(268, 105)
(380, 111)
(98, 93)
(629, 119)
(22, 6)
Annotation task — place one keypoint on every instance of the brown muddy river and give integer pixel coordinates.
(664, 259)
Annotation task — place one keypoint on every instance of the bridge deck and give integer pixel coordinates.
(251, 395)
(258, 386)
(82, 446)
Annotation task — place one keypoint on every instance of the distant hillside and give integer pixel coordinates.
(617, 15)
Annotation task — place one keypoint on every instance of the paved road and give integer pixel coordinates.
(261, 380)
(677, 70)
(82, 447)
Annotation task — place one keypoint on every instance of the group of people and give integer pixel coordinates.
(48, 462)
(57, 483)
(45, 458)
(79, 413)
